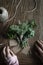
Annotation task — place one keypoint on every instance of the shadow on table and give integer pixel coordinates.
(2, 62)
(36, 58)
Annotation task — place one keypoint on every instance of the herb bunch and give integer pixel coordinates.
(22, 32)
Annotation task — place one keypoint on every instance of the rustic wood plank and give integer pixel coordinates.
(23, 59)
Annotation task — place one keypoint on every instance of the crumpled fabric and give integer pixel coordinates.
(12, 60)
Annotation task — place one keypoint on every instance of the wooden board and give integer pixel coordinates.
(22, 54)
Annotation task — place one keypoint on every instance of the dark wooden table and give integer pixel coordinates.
(23, 59)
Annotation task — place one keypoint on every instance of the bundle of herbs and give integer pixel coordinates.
(22, 32)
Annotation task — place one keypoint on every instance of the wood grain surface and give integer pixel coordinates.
(23, 59)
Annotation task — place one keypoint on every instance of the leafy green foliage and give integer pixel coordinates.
(22, 32)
